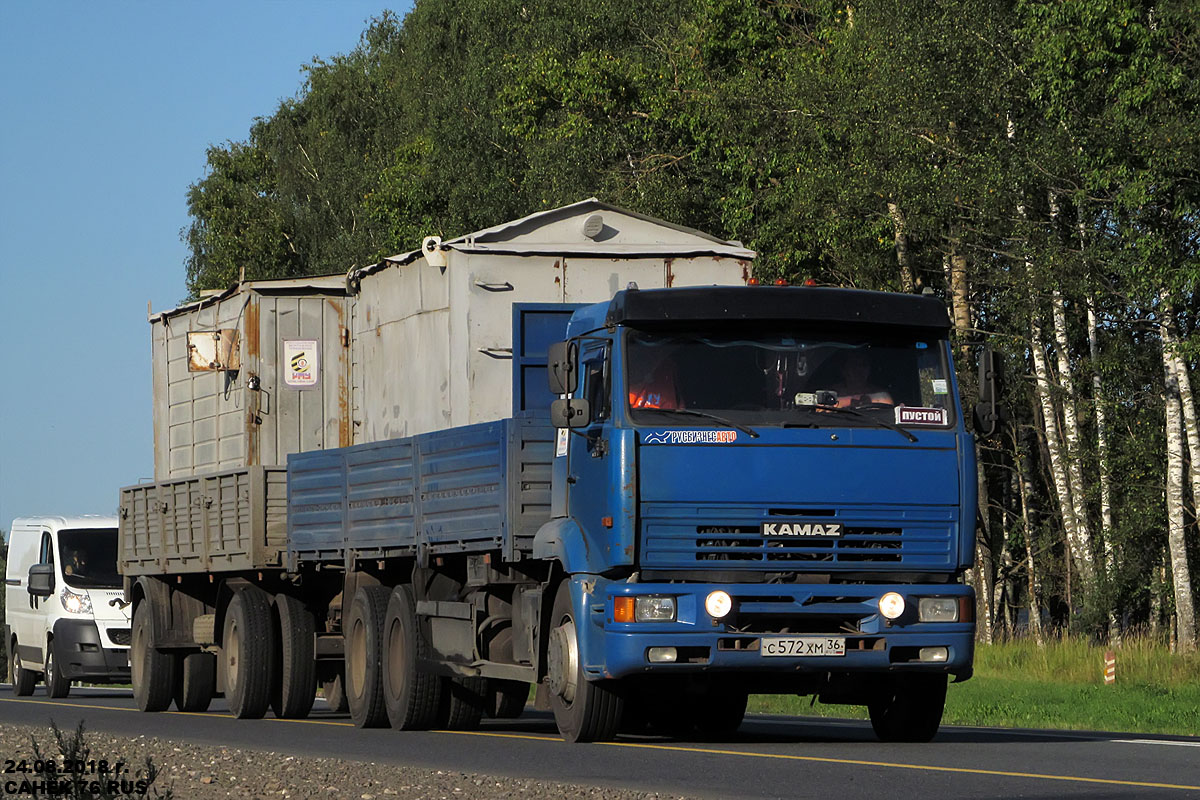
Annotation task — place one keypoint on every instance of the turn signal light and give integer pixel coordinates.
(623, 609)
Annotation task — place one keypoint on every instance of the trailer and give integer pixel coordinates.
(575, 465)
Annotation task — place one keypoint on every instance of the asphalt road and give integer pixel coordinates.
(770, 757)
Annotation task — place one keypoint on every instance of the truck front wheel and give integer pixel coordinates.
(152, 671)
(908, 708)
(249, 649)
(585, 711)
(364, 657)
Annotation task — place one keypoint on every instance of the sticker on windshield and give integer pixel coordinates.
(939, 385)
(909, 415)
(690, 437)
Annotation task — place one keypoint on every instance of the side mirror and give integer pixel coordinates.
(990, 411)
(570, 412)
(41, 580)
(560, 368)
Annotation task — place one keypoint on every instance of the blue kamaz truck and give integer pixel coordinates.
(702, 493)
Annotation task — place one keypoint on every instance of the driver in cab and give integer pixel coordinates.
(855, 387)
(657, 385)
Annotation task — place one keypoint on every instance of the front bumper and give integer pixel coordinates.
(82, 653)
(873, 644)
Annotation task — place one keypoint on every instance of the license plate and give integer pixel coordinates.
(803, 646)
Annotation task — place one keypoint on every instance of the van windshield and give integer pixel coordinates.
(89, 558)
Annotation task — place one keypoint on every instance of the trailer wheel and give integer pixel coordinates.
(411, 696)
(151, 671)
(248, 647)
(364, 657)
(57, 684)
(334, 690)
(585, 711)
(462, 703)
(908, 708)
(197, 679)
(293, 697)
(721, 712)
(506, 699)
(23, 679)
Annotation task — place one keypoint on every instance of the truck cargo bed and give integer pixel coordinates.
(478, 488)
(222, 522)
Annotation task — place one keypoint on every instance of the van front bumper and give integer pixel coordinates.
(82, 655)
(842, 621)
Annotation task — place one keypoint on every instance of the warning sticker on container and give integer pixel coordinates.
(301, 363)
(911, 415)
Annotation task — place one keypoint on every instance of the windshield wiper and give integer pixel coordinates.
(753, 434)
(882, 423)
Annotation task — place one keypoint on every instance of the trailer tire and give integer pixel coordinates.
(364, 657)
(249, 650)
(296, 688)
(411, 696)
(462, 703)
(23, 679)
(196, 682)
(57, 684)
(152, 671)
(908, 708)
(334, 690)
(506, 699)
(585, 711)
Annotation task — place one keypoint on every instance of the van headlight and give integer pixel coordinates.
(76, 603)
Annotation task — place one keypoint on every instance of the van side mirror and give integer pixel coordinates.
(570, 412)
(561, 368)
(990, 411)
(41, 580)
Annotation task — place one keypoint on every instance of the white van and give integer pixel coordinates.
(63, 604)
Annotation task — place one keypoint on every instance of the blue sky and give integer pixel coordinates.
(106, 110)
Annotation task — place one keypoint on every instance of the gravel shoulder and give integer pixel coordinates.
(191, 772)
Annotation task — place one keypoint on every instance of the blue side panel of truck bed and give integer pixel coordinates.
(478, 488)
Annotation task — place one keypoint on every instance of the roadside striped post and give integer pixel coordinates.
(1110, 668)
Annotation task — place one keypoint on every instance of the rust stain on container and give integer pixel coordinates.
(252, 343)
(253, 350)
(343, 383)
(669, 263)
(745, 272)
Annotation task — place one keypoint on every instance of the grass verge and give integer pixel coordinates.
(1059, 686)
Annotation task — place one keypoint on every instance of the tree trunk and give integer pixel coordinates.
(1185, 614)
(984, 580)
(1110, 558)
(1025, 487)
(903, 258)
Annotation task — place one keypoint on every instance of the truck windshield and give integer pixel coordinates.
(788, 378)
(89, 558)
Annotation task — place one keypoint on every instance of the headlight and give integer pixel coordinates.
(891, 605)
(76, 603)
(937, 609)
(718, 604)
(654, 608)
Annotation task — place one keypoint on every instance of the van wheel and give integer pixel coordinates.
(334, 690)
(152, 671)
(293, 697)
(23, 679)
(248, 647)
(585, 711)
(57, 684)
(364, 657)
(908, 708)
(412, 697)
(197, 681)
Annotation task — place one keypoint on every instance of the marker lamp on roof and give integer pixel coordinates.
(891, 605)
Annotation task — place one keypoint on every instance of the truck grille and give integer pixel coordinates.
(119, 636)
(909, 539)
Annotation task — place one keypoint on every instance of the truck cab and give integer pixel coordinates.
(763, 489)
(64, 609)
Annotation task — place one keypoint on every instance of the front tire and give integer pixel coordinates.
(364, 657)
(57, 684)
(908, 708)
(248, 647)
(585, 711)
(23, 679)
(152, 671)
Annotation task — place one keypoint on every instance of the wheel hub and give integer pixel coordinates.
(562, 659)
